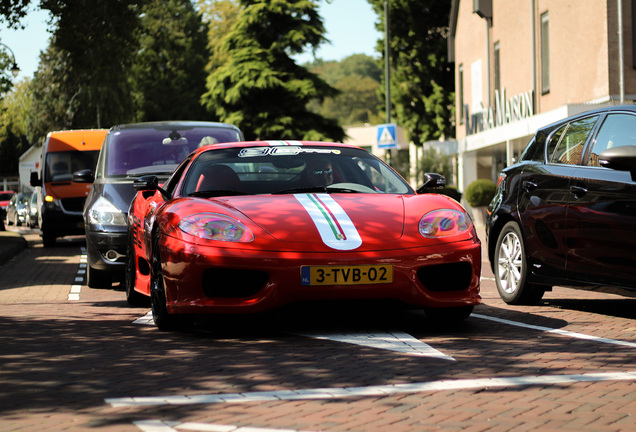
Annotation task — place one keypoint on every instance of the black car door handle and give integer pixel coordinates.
(578, 191)
(529, 185)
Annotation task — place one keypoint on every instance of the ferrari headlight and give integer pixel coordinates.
(444, 223)
(214, 226)
(103, 212)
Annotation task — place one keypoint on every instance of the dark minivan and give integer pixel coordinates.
(130, 151)
(565, 214)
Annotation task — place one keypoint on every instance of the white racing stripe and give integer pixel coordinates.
(335, 228)
(373, 391)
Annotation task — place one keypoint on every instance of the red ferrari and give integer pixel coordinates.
(251, 226)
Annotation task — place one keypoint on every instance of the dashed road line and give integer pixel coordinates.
(375, 391)
(76, 288)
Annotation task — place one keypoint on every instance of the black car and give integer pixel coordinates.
(130, 151)
(565, 214)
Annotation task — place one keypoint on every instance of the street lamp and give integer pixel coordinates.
(15, 70)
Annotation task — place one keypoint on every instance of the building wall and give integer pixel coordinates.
(579, 44)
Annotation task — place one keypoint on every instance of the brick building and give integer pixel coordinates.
(523, 64)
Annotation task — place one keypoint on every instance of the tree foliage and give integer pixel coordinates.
(220, 16)
(13, 108)
(422, 81)
(357, 78)
(97, 42)
(168, 73)
(259, 88)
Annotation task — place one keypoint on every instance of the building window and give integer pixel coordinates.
(497, 68)
(545, 53)
(460, 93)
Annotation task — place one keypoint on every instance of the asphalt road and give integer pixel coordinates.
(75, 358)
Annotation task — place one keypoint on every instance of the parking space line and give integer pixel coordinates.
(556, 331)
(374, 391)
(387, 340)
(74, 294)
(161, 426)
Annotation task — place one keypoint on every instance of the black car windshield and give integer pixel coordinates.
(138, 151)
(288, 170)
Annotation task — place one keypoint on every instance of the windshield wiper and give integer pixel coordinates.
(315, 189)
(216, 193)
(311, 189)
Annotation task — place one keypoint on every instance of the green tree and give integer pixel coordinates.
(259, 88)
(13, 113)
(168, 73)
(422, 81)
(51, 96)
(357, 78)
(220, 16)
(96, 42)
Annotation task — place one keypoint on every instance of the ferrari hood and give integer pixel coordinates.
(341, 221)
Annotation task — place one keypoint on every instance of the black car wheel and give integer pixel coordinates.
(163, 319)
(133, 297)
(8, 221)
(511, 270)
(98, 278)
(16, 219)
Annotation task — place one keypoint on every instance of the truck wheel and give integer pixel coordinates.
(48, 238)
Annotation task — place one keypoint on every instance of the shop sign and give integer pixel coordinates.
(516, 108)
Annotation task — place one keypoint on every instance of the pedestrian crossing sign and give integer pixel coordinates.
(387, 136)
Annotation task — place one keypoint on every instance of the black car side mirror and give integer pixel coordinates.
(83, 176)
(150, 183)
(621, 158)
(432, 181)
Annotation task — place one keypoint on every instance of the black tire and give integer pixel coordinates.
(48, 238)
(163, 319)
(448, 315)
(98, 278)
(133, 297)
(7, 220)
(16, 219)
(511, 269)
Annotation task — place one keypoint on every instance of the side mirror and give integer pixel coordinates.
(35, 179)
(147, 183)
(150, 183)
(621, 158)
(83, 176)
(432, 181)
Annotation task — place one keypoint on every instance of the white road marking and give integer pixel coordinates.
(74, 294)
(161, 426)
(393, 341)
(375, 391)
(145, 320)
(556, 331)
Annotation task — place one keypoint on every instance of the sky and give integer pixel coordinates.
(350, 26)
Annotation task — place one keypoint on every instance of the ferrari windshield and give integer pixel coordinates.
(290, 169)
(139, 151)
